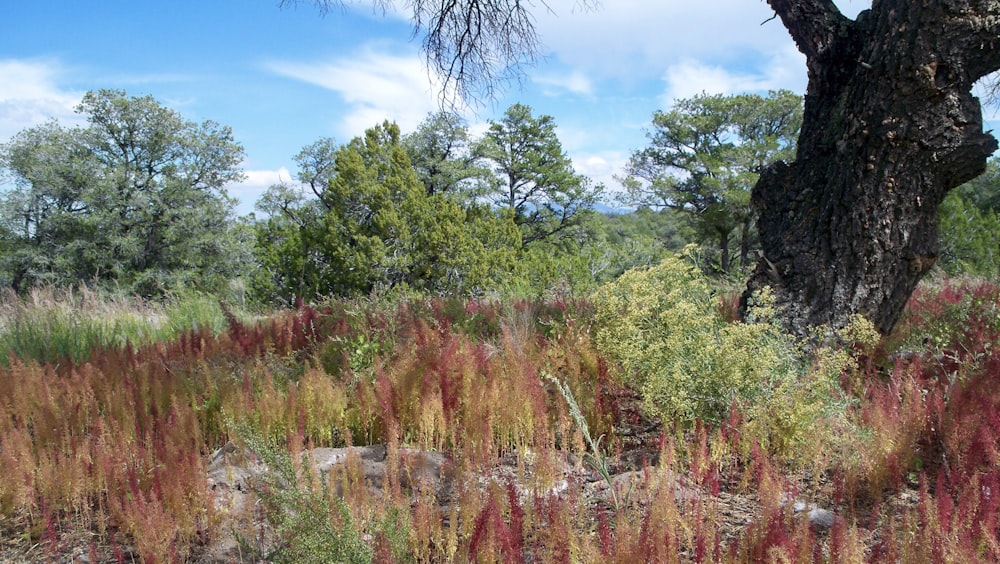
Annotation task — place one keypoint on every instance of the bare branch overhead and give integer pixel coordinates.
(476, 46)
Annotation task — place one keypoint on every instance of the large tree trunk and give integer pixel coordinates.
(890, 126)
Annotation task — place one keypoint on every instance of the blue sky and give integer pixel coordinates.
(283, 78)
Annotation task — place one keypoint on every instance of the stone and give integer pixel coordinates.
(821, 518)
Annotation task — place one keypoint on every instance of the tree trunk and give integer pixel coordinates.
(723, 251)
(746, 231)
(890, 126)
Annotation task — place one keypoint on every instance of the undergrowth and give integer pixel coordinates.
(54, 325)
(898, 438)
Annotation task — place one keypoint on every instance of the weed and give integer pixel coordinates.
(307, 526)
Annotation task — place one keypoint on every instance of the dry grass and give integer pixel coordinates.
(116, 446)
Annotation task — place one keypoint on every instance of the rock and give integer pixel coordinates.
(821, 518)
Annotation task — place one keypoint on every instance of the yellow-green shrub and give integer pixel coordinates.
(662, 329)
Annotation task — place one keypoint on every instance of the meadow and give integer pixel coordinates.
(111, 409)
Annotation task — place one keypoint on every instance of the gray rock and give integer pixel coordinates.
(821, 518)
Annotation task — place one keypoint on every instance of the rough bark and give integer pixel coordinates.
(890, 127)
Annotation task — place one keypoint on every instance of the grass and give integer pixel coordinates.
(56, 325)
(110, 408)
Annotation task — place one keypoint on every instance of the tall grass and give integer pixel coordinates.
(56, 325)
(117, 444)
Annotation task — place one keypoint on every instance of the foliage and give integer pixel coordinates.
(535, 178)
(49, 325)
(983, 191)
(969, 235)
(662, 327)
(596, 459)
(317, 166)
(641, 237)
(117, 445)
(310, 524)
(705, 155)
(368, 230)
(378, 229)
(930, 413)
(658, 326)
(441, 152)
(135, 198)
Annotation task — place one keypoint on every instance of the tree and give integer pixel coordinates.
(970, 226)
(889, 127)
(289, 247)
(704, 156)
(535, 178)
(136, 197)
(440, 150)
(316, 165)
(378, 228)
(983, 191)
(289, 242)
(970, 238)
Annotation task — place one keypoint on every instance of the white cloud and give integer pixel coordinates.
(601, 167)
(253, 186)
(30, 94)
(376, 85)
(632, 41)
(575, 82)
(689, 77)
(629, 39)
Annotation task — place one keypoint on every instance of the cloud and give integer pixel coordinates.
(630, 40)
(601, 167)
(253, 186)
(690, 77)
(30, 94)
(575, 82)
(374, 84)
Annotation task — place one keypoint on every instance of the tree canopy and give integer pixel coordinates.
(374, 226)
(444, 158)
(136, 197)
(535, 179)
(704, 156)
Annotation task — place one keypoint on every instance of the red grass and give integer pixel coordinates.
(119, 443)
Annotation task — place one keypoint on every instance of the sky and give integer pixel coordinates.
(284, 77)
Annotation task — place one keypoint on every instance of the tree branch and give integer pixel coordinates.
(981, 29)
(813, 24)
(476, 46)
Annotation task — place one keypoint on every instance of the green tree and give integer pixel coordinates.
(984, 191)
(970, 238)
(378, 228)
(970, 226)
(317, 166)
(535, 178)
(136, 197)
(289, 251)
(704, 156)
(639, 238)
(289, 240)
(441, 152)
